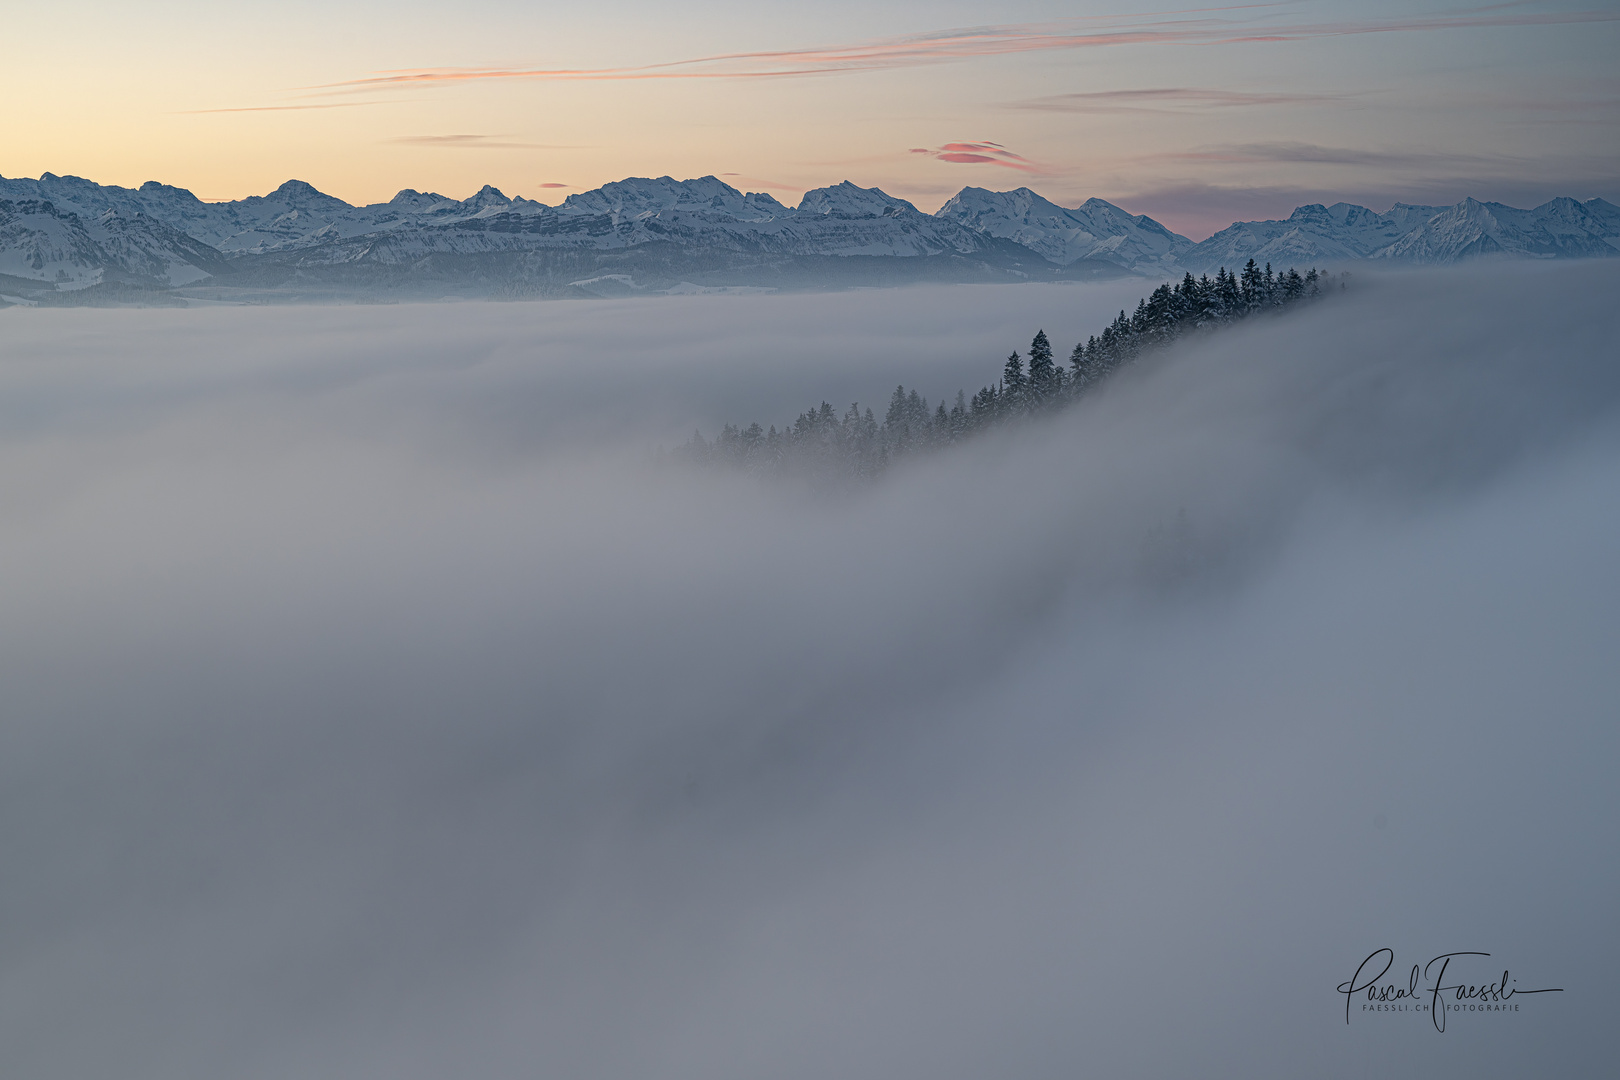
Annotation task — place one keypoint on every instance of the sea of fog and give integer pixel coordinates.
(375, 702)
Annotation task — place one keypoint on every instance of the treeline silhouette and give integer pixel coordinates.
(854, 444)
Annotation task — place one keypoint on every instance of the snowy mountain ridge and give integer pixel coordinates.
(65, 233)
(1093, 230)
(38, 243)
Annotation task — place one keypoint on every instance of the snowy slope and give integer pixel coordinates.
(1562, 228)
(148, 249)
(40, 242)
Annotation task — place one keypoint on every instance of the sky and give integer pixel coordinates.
(378, 705)
(1198, 116)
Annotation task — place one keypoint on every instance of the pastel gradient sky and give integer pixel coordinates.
(1195, 116)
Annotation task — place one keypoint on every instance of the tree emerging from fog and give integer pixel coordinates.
(854, 443)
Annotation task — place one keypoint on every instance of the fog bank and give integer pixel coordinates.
(377, 706)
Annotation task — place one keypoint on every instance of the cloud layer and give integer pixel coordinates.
(378, 705)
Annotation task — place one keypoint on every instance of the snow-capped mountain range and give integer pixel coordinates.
(64, 233)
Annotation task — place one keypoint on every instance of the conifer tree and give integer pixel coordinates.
(1232, 304)
(1252, 286)
(1293, 286)
(917, 417)
(1078, 368)
(896, 430)
(1043, 373)
(959, 417)
(1012, 398)
(1189, 300)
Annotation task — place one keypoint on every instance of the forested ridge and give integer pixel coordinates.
(856, 444)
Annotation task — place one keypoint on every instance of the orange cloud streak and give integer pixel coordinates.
(285, 108)
(970, 42)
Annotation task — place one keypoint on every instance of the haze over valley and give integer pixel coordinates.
(379, 703)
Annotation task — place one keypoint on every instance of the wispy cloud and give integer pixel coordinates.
(1208, 26)
(1166, 99)
(569, 186)
(1284, 152)
(979, 153)
(287, 108)
(475, 142)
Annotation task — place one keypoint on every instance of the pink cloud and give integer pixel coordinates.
(980, 153)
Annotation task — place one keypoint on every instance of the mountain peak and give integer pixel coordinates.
(154, 189)
(1096, 230)
(639, 196)
(407, 198)
(304, 196)
(852, 200)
